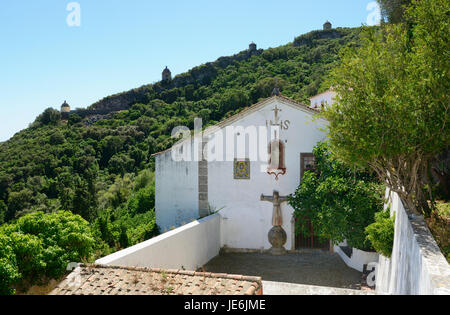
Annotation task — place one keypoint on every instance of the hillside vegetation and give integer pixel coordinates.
(102, 170)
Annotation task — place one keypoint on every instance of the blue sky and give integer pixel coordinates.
(123, 44)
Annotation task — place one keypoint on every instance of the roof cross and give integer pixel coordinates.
(276, 110)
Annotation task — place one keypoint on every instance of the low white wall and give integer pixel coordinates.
(188, 247)
(358, 259)
(417, 266)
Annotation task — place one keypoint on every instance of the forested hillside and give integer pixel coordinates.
(102, 171)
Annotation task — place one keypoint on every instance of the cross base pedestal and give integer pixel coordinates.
(277, 238)
(277, 251)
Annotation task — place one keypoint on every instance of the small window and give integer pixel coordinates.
(308, 163)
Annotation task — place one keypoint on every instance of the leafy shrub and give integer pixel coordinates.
(40, 246)
(74, 119)
(28, 250)
(144, 179)
(56, 138)
(49, 117)
(119, 229)
(9, 272)
(141, 227)
(120, 164)
(143, 201)
(339, 201)
(381, 233)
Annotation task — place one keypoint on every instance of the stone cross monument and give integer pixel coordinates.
(277, 235)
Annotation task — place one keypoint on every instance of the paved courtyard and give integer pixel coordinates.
(317, 268)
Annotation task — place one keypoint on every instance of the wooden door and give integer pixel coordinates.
(310, 241)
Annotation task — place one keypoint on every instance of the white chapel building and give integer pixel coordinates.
(263, 150)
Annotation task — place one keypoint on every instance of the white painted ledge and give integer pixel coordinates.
(188, 247)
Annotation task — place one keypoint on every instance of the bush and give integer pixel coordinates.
(119, 229)
(120, 164)
(40, 246)
(9, 272)
(141, 227)
(143, 201)
(74, 119)
(49, 117)
(381, 233)
(56, 138)
(339, 201)
(144, 179)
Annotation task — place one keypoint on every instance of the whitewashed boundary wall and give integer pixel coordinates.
(188, 247)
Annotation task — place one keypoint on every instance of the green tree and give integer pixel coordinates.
(393, 10)
(142, 201)
(118, 193)
(3, 211)
(19, 201)
(74, 119)
(49, 117)
(110, 146)
(144, 179)
(123, 238)
(104, 228)
(83, 200)
(340, 201)
(393, 102)
(56, 138)
(120, 164)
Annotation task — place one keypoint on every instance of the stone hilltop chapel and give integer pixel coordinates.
(243, 168)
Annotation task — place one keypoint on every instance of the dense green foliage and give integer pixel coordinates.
(439, 224)
(9, 273)
(393, 10)
(340, 202)
(392, 111)
(39, 246)
(381, 233)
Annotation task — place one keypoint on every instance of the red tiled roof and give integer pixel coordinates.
(109, 280)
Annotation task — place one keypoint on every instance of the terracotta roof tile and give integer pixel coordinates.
(111, 280)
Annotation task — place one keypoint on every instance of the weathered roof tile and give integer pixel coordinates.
(111, 280)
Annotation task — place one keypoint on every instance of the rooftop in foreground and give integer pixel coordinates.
(108, 280)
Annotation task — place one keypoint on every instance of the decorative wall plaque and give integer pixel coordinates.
(241, 169)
